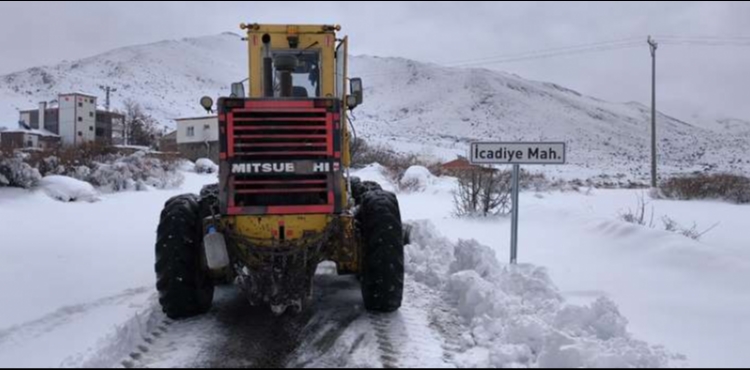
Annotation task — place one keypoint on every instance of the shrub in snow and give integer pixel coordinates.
(732, 188)
(395, 163)
(639, 217)
(68, 189)
(416, 179)
(135, 172)
(482, 192)
(205, 165)
(516, 317)
(186, 166)
(15, 172)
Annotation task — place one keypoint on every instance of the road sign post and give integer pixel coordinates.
(517, 154)
(514, 217)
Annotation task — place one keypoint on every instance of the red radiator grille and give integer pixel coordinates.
(281, 132)
(274, 135)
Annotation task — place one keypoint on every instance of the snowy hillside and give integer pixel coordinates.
(413, 106)
(167, 77)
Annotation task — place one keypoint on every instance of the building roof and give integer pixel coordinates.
(54, 107)
(194, 118)
(170, 136)
(44, 133)
(80, 93)
(462, 164)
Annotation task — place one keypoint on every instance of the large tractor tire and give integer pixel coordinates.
(209, 200)
(182, 278)
(360, 188)
(382, 275)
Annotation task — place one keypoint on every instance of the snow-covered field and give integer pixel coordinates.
(76, 281)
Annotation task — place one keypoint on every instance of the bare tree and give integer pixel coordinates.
(482, 192)
(139, 127)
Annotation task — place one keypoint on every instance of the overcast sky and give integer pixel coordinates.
(713, 80)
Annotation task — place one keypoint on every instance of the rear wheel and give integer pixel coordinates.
(182, 277)
(382, 265)
(360, 188)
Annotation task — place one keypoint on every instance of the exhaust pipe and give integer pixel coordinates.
(267, 67)
(285, 65)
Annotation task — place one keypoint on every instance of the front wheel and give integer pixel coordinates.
(182, 277)
(382, 236)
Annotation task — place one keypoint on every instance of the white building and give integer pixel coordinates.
(198, 137)
(77, 118)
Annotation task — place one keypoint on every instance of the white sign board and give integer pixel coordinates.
(517, 153)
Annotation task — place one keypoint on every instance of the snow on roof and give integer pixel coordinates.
(80, 93)
(194, 118)
(31, 132)
(134, 147)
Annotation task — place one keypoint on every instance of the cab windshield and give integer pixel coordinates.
(304, 69)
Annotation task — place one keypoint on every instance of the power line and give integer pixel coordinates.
(746, 38)
(596, 47)
(552, 55)
(706, 43)
(542, 54)
(544, 51)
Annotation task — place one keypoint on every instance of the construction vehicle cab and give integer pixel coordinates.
(284, 202)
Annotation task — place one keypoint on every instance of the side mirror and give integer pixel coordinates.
(207, 103)
(355, 93)
(238, 90)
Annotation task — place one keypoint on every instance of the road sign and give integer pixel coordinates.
(517, 154)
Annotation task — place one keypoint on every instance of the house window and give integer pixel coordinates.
(80, 133)
(191, 131)
(91, 128)
(29, 144)
(206, 127)
(80, 105)
(91, 114)
(80, 119)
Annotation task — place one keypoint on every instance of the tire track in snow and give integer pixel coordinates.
(407, 338)
(335, 332)
(234, 334)
(63, 316)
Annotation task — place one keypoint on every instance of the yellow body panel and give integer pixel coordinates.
(263, 232)
(299, 229)
(266, 228)
(324, 43)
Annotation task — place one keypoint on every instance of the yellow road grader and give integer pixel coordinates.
(285, 201)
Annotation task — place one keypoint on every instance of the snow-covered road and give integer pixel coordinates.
(77, 280)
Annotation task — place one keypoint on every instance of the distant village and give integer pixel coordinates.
(76, 118)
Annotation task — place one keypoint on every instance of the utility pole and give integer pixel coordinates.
(108, 90)
(653, 46)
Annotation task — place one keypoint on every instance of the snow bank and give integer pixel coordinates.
(516, 315)
(417, 178)
(375, 172)
(68, 189)
(205, 165)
